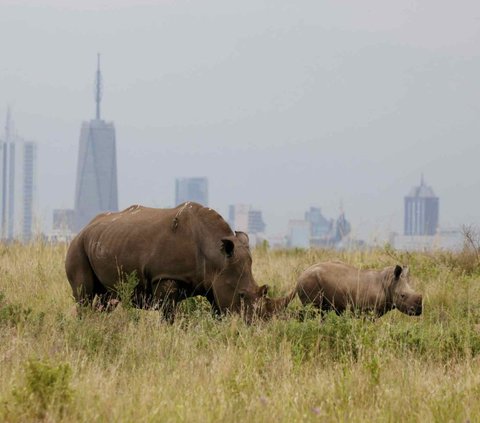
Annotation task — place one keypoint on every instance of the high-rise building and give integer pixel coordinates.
(320, 226)
(96, 188)
(191, 189)
(255, 222)
(421, 211)
(242, 217)
(342, 227)
(298, 234)
(321, 233)
(18, 167)
(63, 226)
(238, 217)
(63, 220)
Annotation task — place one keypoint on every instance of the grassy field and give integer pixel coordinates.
(130, 366)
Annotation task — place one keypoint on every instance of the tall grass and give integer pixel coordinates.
(129, 365)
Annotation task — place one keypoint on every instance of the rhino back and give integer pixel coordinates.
(336, 284)
(144, 240)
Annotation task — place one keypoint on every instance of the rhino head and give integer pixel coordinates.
(235, 288)
(403, 297)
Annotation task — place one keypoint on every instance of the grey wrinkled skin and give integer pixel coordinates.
(175, 254)
(337, 286)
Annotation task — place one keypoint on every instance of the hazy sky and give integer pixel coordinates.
(281, 104)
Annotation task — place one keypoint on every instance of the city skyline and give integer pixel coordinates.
(348, 105)
(196, 189)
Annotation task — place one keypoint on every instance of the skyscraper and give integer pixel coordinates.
(320, 226)
(18, 167)
(298, 234)
(63, 220)
(421, 211)
(96, 187)
(326, 232)
(256, 223)
(238, 216)
(191, 189)
(242, 217)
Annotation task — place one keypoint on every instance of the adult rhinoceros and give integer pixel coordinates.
(175, 253)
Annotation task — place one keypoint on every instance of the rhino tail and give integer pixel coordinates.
(282, 303)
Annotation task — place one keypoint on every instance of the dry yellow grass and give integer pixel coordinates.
(130, 366)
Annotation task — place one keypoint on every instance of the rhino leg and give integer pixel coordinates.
(309, 293)
(313, 300)
(105, 302)
(211, 299)
(167, 294)
(86, 288)
(81, 276)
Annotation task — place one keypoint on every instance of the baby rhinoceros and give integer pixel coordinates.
(338, 286)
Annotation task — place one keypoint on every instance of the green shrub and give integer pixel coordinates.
(125, 288)
(16, 314)
(46, 387)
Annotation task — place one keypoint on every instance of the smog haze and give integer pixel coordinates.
(280, 104)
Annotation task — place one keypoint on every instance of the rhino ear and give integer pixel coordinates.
(228, 247)
(398, 271)
(263, 290)
(243, 237)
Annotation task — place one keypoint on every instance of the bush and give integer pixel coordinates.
(46, 388)
(16, 314)
(125, 288)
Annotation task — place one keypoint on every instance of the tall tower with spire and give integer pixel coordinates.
(98, 88)
(96, 185)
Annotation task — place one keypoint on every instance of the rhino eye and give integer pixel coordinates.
(242, 295)
(403, 296)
